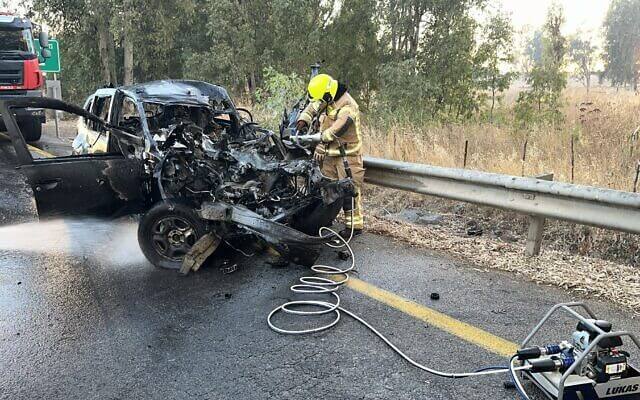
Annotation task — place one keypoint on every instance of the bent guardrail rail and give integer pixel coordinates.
(586, 205)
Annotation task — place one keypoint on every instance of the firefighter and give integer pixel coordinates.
(339, 123)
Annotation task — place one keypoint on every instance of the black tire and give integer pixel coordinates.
(316, 216)
(31, 130)
(167, 231)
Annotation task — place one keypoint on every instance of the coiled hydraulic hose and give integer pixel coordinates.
(319, 284)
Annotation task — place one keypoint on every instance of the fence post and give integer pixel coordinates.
(466, 147)
(536, 227)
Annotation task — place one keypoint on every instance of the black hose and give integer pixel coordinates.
(247, 111)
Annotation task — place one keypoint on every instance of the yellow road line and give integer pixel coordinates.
(43, 153)
(36, 150)
(469, 333)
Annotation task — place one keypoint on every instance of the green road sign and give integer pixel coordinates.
(51, 64)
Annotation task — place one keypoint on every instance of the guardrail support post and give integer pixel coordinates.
(536, 228)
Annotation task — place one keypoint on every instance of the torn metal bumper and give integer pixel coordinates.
(292, 244)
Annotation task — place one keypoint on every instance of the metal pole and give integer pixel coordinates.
(56, 95)
(536, 228)
(635, 181)
(466, 148)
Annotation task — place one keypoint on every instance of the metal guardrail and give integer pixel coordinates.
(586, 205)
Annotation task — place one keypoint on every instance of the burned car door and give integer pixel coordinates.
(101, 185)
(90, 139)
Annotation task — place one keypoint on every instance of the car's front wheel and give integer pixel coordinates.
(167, 232)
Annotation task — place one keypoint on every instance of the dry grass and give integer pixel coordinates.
(604, 150)
(592, 261)
(601, 124)
(608, 280)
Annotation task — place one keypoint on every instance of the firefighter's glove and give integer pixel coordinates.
(319, 154)
(302, 126)
(327, 137)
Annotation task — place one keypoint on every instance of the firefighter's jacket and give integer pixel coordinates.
(339, 122)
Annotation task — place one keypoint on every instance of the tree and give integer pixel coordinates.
(446, 57)
(400, 22)
(547, 79)
(583, 53)
(242, 38)
(494, 54)
(83, 28)
(529, 49)
(622, 42)
(352, 52)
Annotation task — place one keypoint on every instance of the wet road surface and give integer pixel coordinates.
(76, 324)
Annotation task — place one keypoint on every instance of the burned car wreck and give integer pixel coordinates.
(180, 154)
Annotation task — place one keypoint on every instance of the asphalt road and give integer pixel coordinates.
(91, 319)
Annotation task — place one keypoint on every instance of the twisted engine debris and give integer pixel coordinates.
(250, 170)
(235, 180)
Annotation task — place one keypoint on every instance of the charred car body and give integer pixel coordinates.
(181, 154)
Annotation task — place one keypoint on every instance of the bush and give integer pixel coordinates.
(278, 92)
(403, 95)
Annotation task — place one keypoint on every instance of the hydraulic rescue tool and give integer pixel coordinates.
(591, 365)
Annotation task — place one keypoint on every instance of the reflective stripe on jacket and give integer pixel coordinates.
(340, 122)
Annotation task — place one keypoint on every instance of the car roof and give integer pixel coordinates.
(104, 92)
(179, 92)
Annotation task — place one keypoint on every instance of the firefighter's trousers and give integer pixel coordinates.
(333, 168)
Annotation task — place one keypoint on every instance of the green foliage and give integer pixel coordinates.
(457, 62)
(622, 42)
(154, 26)
(276, 94)
(446, 58)
(583, 53)
(243, 38)
(353, 54)
(406, 59)
(400, 27)
(73, 48)
(404, 92)
(492, 57)
(547, 79)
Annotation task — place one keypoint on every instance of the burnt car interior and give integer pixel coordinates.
(182, 156)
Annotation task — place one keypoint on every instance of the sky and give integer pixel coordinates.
(585, 15)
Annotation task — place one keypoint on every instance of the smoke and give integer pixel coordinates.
(111, 242)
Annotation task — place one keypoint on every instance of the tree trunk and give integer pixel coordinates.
(103, 44)
(251, 85)
(112, 59)
(417, 19)
(128, 58)
(493, 104)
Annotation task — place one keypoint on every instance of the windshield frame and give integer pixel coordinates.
(27, 37)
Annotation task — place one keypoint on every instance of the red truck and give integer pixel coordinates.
(20, 73)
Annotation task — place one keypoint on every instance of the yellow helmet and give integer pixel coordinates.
(323, 87)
